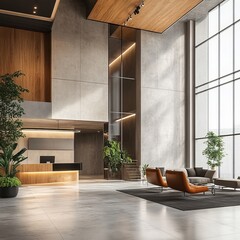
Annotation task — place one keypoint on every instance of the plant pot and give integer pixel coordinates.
(114, 175)
(8, 192)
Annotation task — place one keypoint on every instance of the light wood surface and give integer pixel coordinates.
(35, 167)
(48, 177)
(156, 15)
(29, 52)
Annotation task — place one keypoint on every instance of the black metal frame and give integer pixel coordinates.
(234, 79)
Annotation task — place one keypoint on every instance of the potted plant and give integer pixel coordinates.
(10, 131)
(115, 157)
(144, 167)
(214, 150)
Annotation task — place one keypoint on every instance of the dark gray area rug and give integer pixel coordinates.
(175, 199)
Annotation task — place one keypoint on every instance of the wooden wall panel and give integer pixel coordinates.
(88, 150)
(35, 167)
(29, 52)
(48, 177)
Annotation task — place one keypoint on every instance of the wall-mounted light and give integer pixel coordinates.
(124, 118)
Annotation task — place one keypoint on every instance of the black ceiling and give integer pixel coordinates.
(13, 14)
(25, 23)
(44, 7)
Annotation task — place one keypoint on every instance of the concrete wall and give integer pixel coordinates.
(162, 97)
(79, 65)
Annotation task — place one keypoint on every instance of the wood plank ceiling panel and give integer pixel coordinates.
(155, 16)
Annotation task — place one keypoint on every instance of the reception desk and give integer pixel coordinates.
(48, 173)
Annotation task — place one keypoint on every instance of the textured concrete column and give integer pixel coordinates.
(163, 98)
(79, 65)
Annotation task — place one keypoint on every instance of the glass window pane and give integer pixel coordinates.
(237, 75)
(226, 79)
(226, 52)
(201, 114)
(237, 156)
(213, 58)
(226, 14)
(237, 10)
(116, 94)
(201, 30)
(202, 88)
(213, 84)
(236, 105)
(213, 110)
(237, 46)
(201, 160)
(226, 109)
(202, 64)
(226, 169)
(213, 21)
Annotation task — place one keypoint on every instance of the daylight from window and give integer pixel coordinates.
(217, 83)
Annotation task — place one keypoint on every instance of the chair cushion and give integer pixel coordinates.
(181, 170)
(203, 172)
(232, 183)
(198, 171)
(199, 180)
(209, 173)
(191, 172)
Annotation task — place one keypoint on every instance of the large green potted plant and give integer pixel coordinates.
(214, 150)
(11, 112)
(114, 158)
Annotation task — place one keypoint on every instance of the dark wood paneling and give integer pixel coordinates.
(88, 150)
(29, 52)
(129, 136)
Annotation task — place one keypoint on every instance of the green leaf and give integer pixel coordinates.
(114, 156)
(214, 150)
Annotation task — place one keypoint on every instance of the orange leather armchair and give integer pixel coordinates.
(154, 176)
(178, 180)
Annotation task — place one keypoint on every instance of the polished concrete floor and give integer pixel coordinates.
(95, 210)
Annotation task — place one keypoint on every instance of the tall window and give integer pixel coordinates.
(217, 83)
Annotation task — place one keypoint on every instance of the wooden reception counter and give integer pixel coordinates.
(48, 173)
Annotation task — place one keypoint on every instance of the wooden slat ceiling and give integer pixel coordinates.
(155, 16)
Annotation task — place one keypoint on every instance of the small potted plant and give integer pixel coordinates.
(9, 163)
(114, 158)
(214, 150)
(10, 131)
(144, 168)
